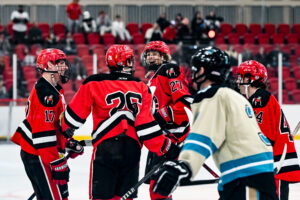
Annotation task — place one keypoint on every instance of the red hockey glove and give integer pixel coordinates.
(74, 148)
(169, 176)
(60, 171)
(164, 115)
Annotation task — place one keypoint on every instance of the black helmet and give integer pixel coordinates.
(215, 62)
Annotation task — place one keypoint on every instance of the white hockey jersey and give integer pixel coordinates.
(224, 126)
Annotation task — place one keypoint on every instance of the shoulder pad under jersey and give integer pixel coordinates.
(46, 94)
(169, 70)
(260, 98)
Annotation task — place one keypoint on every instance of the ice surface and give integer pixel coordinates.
(15, 185)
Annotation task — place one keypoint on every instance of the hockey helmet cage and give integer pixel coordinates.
(160, 47)
(117, 57)
(214, 61)
(255, 71)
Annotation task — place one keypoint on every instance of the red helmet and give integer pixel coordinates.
(117, 56)
(159, 46)
(49, 55)
(256, 71)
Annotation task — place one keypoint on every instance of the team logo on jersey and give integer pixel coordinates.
(171, 73)
(248, 111)
(257, 101)
(48, 100)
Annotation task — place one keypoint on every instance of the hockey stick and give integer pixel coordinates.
(296, 130)
(200, 182)
(211, 171)
(33, 195)
(146, 177)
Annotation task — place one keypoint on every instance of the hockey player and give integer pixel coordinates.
(225, 127)
(171, 98)
(39, 136)
(252, 77)
(123, 122)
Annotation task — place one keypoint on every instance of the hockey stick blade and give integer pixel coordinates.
(200, 182)
(296, 130)
(33, 195)
(281, 161)
(135, 187)
(86, 143)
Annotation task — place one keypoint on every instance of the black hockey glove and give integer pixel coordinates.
(60, 171)
(74, 148)
(173, 152)
(169, 176)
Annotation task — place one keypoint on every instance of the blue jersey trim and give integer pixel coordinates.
(200, 144)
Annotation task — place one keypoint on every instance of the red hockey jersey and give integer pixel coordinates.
(119, 104)
(39, 133)
(275, 127)
(169, 87)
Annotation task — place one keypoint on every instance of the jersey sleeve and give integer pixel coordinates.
(181, 100)
(207, 133)
(148, 130)
(79, 108)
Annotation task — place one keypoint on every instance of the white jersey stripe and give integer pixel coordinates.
(72, 120)
(148, 131)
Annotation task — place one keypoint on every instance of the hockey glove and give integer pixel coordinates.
(74, 148)
(170, 150)
(169, 176)
(60, 171)
(164, 115)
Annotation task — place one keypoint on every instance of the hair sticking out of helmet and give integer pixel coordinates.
(55, 56)
(215, 63)
(120, 58)
(254, 71)
(158, 46)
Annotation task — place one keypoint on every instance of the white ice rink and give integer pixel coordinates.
(15, 185)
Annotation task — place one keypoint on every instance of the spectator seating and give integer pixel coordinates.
(99, 50)
(286, 72)
(290, 84)
(145, 27)
(296, 72)
(138, 38)
(45, 28)
(269, 29)
(108, 39)
(226, 28)
(219, 39)
(19, 50)
(78, 38)
(241, 28)
(278, 38)
(284, 29)
(249, 38)
(82, 49)
(93, 38)
(273, 84)
(132, 28)
(9, 29)
(292, 38)
(255, 29)
(59, 29)
(233, 38)
(296, 29)
(263, 38)
(296, 95)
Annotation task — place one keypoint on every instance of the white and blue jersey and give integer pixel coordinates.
(225, 127)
